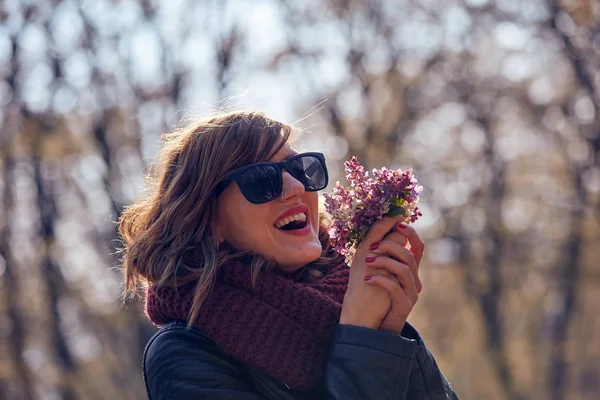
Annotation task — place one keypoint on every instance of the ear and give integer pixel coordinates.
(217, 231)
(219, 237)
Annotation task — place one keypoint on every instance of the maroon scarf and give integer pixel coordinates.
(281, 327)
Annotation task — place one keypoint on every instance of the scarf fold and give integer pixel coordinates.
(281, 327)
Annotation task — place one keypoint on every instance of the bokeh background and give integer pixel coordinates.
(494, 103)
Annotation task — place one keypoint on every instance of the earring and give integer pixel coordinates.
(283, 198)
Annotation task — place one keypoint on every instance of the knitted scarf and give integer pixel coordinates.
(281, 326)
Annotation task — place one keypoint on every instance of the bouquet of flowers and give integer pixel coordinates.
(354, 209)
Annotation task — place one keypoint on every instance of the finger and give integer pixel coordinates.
(402, 254)
(402, 273)
(381, 271)
(379, 229)
(417, 246)
(395, 291)
(397, 237)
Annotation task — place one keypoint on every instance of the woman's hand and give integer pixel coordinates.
(397, 272)
(367, 305)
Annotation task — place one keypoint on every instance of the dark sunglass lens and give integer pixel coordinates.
(260, 184)
(310, 171)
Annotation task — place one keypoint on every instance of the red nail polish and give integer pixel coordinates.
(401, 226)
(374, 246)
(370, 259)
(368, 278)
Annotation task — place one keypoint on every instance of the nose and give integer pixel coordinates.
(292, 186)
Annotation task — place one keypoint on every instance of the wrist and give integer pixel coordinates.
(396, 330)
(348, 320)
(394, 326)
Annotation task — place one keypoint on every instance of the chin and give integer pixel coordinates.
(300, 258)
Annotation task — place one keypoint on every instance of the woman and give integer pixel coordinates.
(252, 302)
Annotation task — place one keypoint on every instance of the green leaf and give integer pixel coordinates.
(396, 211)
(398, 201)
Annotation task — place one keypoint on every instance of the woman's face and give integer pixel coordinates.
(253, 227)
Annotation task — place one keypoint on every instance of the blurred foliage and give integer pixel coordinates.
(494, 103)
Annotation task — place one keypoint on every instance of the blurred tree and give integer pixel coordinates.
(494, 103)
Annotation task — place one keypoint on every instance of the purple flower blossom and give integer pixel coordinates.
(355, 209)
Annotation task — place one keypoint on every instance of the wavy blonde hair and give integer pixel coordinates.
(167, 233)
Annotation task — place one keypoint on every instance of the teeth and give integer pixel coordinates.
(287, 220)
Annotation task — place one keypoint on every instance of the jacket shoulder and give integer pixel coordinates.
(183, 363)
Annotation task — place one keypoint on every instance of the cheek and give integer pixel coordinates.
(248, 228)
(312, 201)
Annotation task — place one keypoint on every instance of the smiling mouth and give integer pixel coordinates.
(292, 222)
(294, 225)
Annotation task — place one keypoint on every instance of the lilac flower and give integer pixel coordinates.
(355, 209)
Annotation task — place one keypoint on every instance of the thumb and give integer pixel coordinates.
(379, 229)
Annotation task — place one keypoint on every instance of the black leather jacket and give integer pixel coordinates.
(362, 364)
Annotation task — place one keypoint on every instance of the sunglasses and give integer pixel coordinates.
(262, 182)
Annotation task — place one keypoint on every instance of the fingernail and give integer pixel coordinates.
(401, 226)
(368, 278)
(370, 259)
(374, 246)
